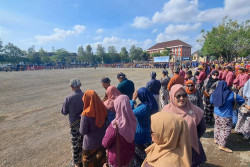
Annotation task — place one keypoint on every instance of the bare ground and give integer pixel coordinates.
(34, 133)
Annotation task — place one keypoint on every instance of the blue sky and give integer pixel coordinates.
(71, 23)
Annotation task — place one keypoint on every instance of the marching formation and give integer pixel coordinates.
(160, 124)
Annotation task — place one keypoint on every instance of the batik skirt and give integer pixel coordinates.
(94, 158)
(222, 129)
(164, 97)
(139, 156)
(156, 98)
(243, 124)
(76, 140)
(208, 111)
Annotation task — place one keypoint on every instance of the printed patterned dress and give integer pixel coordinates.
(164, 93)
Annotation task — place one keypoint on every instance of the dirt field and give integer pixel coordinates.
(33, 132)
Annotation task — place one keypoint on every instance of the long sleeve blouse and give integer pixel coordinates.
(127, 150)
(226, 110)
(92, 134)
(142, 114)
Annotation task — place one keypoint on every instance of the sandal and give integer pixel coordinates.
(225, 149)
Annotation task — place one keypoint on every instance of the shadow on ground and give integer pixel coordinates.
(209, 165)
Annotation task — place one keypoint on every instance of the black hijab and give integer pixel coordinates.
(211, 81)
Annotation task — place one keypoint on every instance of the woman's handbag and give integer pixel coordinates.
(206, 94)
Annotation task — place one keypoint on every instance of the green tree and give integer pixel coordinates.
(115, 57)
(229, 40)
(135, 53)
(106, 58)
(13, 53)
(2, 56)
(124, 55)
(62, 56)
(45, 59)
(89, 54)
(33, 55)
(81, 56)
(145, 56)
(100, 52)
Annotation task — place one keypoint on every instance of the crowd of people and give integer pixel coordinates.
(160, 124)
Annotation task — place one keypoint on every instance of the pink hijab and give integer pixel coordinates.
(124, 118)
(112, 93)
(191, 113)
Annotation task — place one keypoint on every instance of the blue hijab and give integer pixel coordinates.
(148, 99)
(220, 94)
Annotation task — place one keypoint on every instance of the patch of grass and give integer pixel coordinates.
(2, 118)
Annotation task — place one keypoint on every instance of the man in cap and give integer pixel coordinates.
(73, 106)
(125, 86)
(154, 86)
(176, 79)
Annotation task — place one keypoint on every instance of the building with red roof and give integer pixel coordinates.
(178, 48)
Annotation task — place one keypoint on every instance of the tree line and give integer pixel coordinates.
(229, 40)
(10, 53)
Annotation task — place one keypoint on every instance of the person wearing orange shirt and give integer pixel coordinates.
(176, 79)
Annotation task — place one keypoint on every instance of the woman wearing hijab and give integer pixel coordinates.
(122, 127)
(143, 111)
(93, 127)
(209, 87)
(164, 93)
(172, 143)
(180, 105)
(112, 93)
(223, 99)
(243, 123)
(193, 94)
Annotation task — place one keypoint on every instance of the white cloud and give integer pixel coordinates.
(180, 28)
(99, 31)
(97, 38)
(154, 30)
(177, 11)
(211, 15)
(162, 37)
(236, 9)
(147, 43)
(60, 34)
(188, 11)
(142, 22)
(120, 42)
